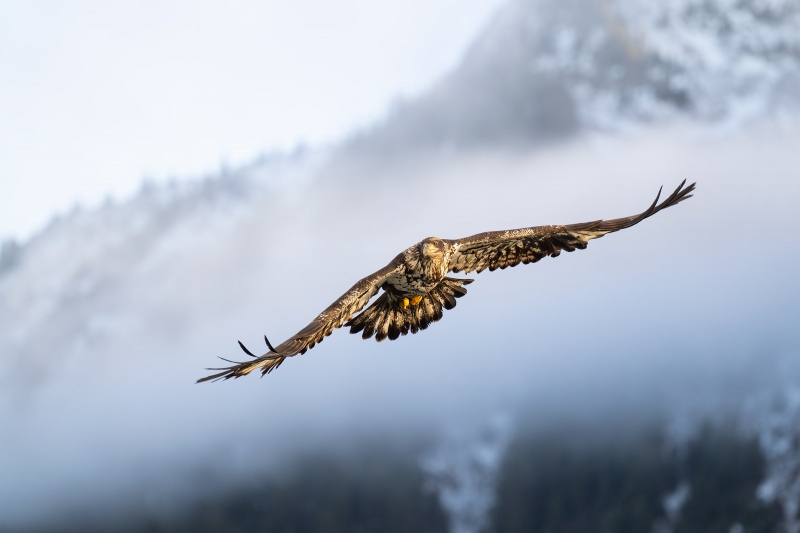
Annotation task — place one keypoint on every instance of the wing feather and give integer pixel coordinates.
(502, 249)
(331, 318)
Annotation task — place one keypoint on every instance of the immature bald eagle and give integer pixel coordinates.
(416, 286)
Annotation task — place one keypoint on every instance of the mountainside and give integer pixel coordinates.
(677, 334)
(546, 69)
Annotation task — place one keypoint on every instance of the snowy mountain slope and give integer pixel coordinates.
(69, 270)
(546, 69)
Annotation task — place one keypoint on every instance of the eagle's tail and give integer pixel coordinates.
(386, 318)
(267, 363)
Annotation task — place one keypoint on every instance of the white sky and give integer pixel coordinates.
(96, 95)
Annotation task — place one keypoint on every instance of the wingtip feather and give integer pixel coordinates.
(244, 349)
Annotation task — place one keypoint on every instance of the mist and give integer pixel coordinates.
(686, 314)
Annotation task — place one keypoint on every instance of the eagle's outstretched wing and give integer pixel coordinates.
(331, 318)
(492, 250)
(501, 249)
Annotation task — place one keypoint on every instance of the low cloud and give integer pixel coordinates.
(102, 339)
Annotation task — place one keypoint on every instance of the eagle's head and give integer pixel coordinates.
(432, 248)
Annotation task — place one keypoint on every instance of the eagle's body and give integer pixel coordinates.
(420, 271)
(416, 287)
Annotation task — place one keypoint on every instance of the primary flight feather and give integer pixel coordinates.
(416, 287)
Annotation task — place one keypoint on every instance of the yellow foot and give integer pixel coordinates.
(404, 303)
(416, 300)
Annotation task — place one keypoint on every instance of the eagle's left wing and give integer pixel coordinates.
(331, 318)
(501, 249)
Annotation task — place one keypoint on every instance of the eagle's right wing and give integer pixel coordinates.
(331, 318)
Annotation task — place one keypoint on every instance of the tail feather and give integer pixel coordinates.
(385, 318)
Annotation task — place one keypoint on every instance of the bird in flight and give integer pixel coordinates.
(416, 287)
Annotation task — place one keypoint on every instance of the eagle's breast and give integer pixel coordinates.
(419, 275)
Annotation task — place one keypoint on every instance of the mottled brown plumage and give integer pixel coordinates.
(416, 287)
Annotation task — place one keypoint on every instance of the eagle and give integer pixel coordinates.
(416, 286)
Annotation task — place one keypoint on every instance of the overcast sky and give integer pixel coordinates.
(96, 95)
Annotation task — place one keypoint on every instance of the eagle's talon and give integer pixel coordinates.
(404, 303)
(416, 300)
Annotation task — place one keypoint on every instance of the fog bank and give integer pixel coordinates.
(103, 336)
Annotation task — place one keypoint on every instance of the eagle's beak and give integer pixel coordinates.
(427, 249)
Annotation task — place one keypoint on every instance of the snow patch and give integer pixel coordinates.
(462, 470)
